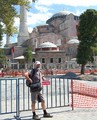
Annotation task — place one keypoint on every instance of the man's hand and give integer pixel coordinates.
(43, 78)
(30, 81)
(27, 77)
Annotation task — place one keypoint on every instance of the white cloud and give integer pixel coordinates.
(34, 19)
(17, 20)
(30, 29)
(68, 2)
(41, 8)
(78, 12)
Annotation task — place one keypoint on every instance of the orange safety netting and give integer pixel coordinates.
(83, 95)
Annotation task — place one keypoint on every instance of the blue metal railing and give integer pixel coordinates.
(15, 95)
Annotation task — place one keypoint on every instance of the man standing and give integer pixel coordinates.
(36, 95)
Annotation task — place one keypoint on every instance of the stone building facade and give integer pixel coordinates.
(49, 41)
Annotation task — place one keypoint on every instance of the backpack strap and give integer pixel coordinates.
(32, 73)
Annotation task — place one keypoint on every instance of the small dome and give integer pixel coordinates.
(72, 41)
(47, 45)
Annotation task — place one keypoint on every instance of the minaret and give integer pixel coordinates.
(8, 41)
(23, 29)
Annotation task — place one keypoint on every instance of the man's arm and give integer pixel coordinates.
(26, 75)
(43, 78)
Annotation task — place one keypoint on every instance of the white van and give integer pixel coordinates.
(90, 67)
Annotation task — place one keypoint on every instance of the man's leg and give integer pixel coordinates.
(43, 106)
(33, 99)
(33, 108)
(46, 114)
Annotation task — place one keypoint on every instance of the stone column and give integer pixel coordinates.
(23, 29)
(8, 41)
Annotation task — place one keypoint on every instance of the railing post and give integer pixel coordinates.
(0, 96)
(72, 93)
(17, 117)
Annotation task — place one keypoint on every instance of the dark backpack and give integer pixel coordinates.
(33, 86)
(31, 76)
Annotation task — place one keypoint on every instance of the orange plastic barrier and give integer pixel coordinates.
(83, 95)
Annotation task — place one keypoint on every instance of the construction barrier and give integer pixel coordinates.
(83, 95)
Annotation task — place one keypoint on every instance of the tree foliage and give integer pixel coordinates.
(2, 57)
(8, 12)
(28, 55)
(94, 50)
(1, 34)
(88, 27)
(87, 34)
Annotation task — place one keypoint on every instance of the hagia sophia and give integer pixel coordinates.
(49, 42)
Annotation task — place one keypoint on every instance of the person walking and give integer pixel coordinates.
(36, 95)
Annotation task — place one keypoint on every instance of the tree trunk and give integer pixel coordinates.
(82, 69)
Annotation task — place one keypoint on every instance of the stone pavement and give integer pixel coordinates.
(62, 113)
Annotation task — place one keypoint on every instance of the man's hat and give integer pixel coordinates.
(37, 62)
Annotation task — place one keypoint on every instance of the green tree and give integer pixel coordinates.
(1, 34)
(94, 50)
(8, 12)
(87, 34)
(2, 58)
(28, 56)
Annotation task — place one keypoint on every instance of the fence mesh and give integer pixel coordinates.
(83, 95)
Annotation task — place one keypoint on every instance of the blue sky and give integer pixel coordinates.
(42, 10)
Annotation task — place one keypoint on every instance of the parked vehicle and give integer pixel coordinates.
(90, 67)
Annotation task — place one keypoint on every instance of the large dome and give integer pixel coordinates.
(47, 45)
(61, 13)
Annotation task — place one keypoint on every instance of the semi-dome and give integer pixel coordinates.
(47, 45)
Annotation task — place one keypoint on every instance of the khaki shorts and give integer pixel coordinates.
(36, 96)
